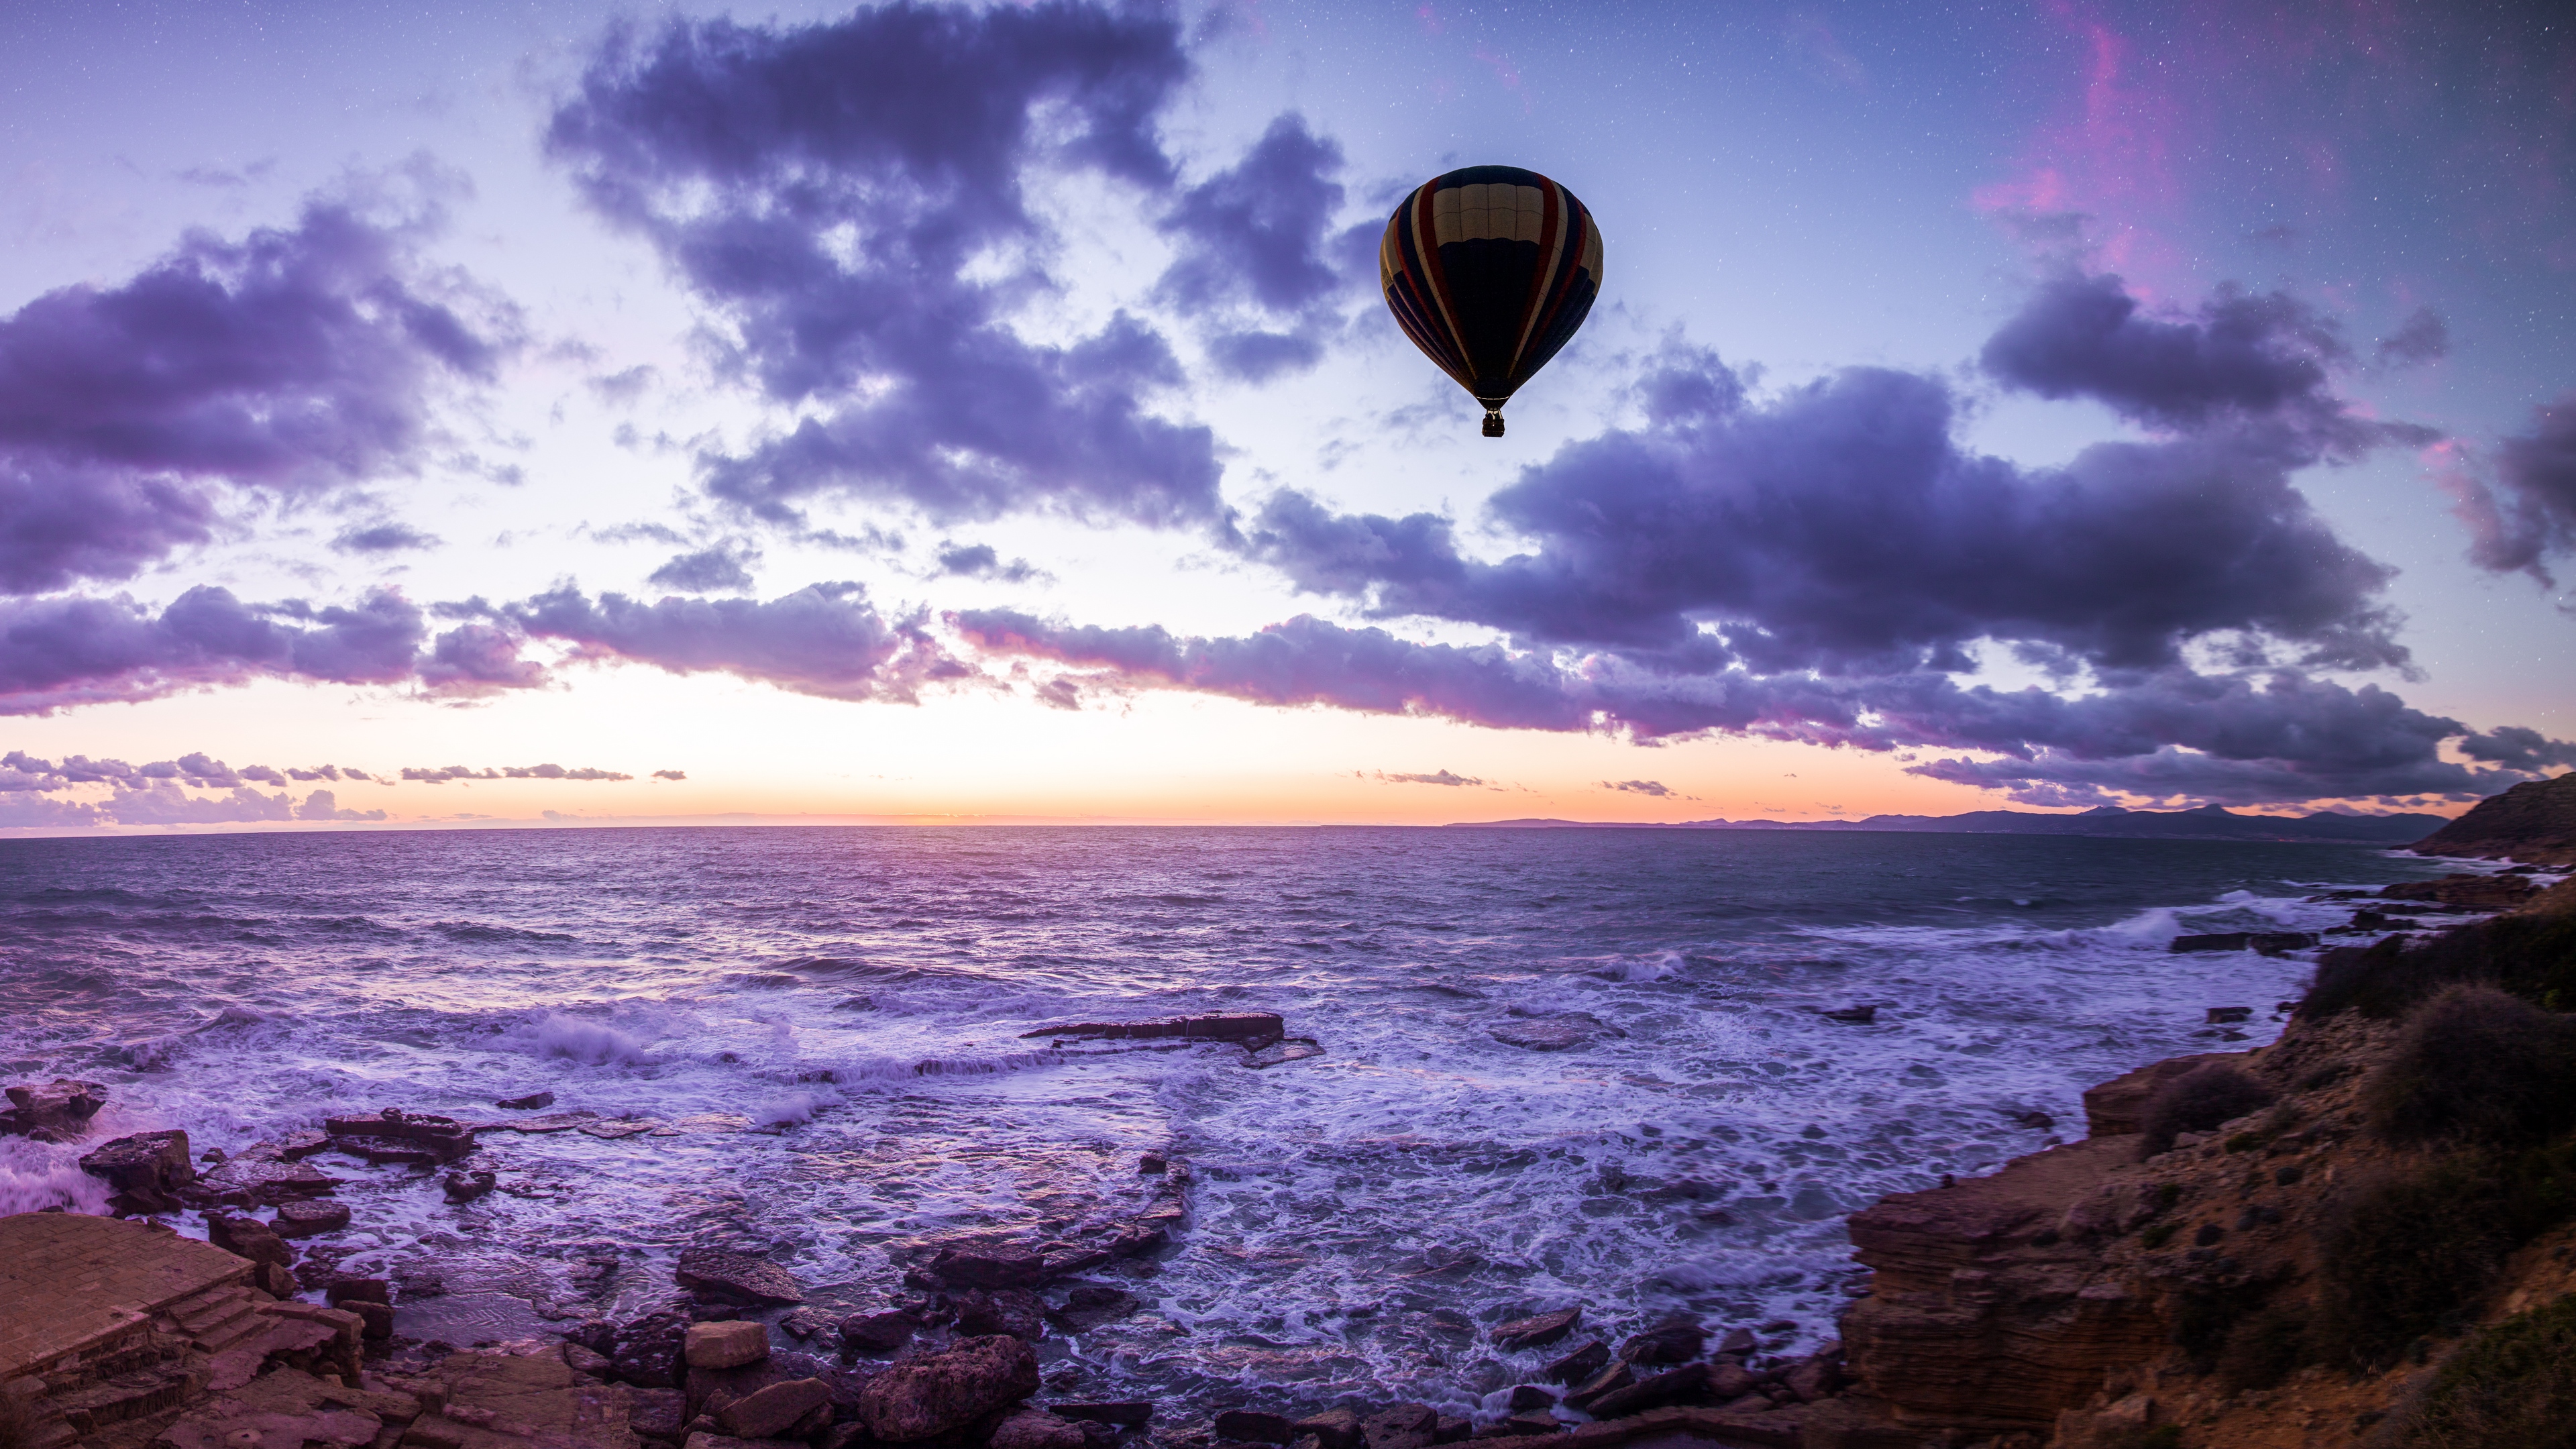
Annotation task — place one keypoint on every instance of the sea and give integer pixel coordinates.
(1548, 1068)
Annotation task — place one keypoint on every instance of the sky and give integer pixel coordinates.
(569, 413)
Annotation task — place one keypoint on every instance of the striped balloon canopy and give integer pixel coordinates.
(1490, 270)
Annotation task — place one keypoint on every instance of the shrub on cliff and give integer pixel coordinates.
(2512, 1387)
(2196, 1101)
(2405, 1254)
(2476, 1065)
(2533, 957)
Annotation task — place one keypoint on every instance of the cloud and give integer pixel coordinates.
(670, 774)
(292, 361)
(1256, 234)
(383, 538)
(709, 570)
(2520, 502)
(62, 652)
(2423, 337)
(979, 561)
(1656, 788)
(2264, 357)
(440, 775)
(825, 639)
(1440, 777)
(1839, 527)
(1828, 565)
(849, 199)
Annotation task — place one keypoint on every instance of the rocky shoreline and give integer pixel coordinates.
(2092, 1294)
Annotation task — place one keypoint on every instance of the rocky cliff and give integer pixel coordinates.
(2260, 1249)
(2534, 823)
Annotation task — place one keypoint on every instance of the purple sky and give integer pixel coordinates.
(932, 411)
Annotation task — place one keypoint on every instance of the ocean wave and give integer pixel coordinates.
(590, 1043)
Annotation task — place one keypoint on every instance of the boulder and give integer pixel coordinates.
(1006, 1265)
(1538, 1331)
(309, 1219)
(740, 1277)
(648, 1351)
(146, 1170)
(1579, 1365)
(661, 1414)
(248, 1238)
(1689, 1384)
(463, 1187)
(1530, 1399)
(942, 1391)
(55, 1111)
(882, 1332)
(261, 1175)
(1037, 1429)
(1253, 1426)
(1738, 1341)
(1015, 1311)
(2477, 892)
(769, 1412)
(529, 1103)
(393, 1136)
(2119, 1105)
(1452, 1429)
(1401, 1426)
(1609, 1381)
(725, 1345)
(1675, 1342)
(1332, 1429)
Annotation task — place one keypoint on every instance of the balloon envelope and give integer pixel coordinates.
(1490, 270)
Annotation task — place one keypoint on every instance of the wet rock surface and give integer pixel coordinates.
(936, 1393)
(736, 1277)
(55, 1111)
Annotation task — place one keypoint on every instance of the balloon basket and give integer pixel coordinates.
(1493, 425)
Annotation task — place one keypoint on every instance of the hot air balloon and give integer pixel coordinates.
(1489, 270)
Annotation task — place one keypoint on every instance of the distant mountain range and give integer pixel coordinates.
(2209, 822)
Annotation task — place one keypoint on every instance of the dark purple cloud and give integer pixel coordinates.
(2521, 505)
(670, 774)
(151, 794)
(1656, 788)
(981, 561)
(2251, 354)
(59, 653)
(826, 188)
(1258, 235)
(2423, 337)
(440, 775)
(826, 639)
(294, 360)
(1840, 527)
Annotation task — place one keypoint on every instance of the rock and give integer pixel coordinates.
(1258, 1026)
(740, 1277)
(2282, 943)
(1818, 1376)
(1558, 1032)
(703, 1439)
(1400, 1426)
(1689, 1384)
(2476, 892)
(1127, 1413)
(1332, 1429)
(529, 1103)
(1609, 1381)
(1451, 1429)
(1985, 1309)
(417, 1139)
(1006, 1266)
(882, 1332)
(55, 1111)
(770, 1412)
(1855, 1015)
(1538, 1331)
(804, 1323)
(1150, 1165)
(1579, 1365)
(146, 1170)
(2213, 941)
(248, 1238)
(1037, 1429)
(585, 1361)
(1015, 1311)
(658, 1413)
(2119, 1105)
(1530, 1398)
(1675, 1342)
(650, 1351)
(341, 1292)
(1523, 1425)
(1252, 1426)
(463, 1187)
(1738, 1341)
(309, 1219)
(2228, 1015)
(260, 1175)
(725, 1345)
(942, 1391)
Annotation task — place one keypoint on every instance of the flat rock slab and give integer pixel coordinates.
(738, 1276)
(464, 1319)
(550, 1122)
(1279, 1054)
(1537, 1331)
(249, 1179)
(505, 1401)
(1560, 1032)
(71, 1280)
(1254, 1026)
